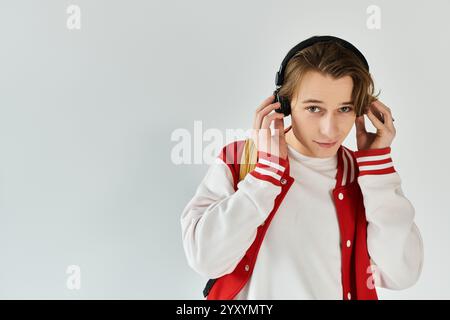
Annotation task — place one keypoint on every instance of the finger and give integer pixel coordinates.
(376, 122)
(262, 113)
(387, 113)
(360, 124)
(269, 118)
(263, 104)
(279, 126)
(382, 108)
(382, 105)
(266, 102)
(376, 112)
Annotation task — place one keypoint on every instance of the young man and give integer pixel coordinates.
(339, 222)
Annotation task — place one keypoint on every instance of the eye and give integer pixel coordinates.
(309, 108)
(348, 108)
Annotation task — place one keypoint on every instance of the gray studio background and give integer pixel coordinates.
(86, 118)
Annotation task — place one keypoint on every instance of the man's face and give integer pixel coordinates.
(322, 111)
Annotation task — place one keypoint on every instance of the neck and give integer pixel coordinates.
(292, 140)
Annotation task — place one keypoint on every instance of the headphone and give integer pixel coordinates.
(285, 107)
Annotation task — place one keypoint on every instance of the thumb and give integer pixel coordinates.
(279, 126)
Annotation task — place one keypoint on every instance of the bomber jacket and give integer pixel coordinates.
(224, 224)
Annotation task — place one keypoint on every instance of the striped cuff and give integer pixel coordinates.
(374, 161)
(270, 168)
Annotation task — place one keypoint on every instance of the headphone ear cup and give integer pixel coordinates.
(285, 106)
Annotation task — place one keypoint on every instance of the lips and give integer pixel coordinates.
(326, 145)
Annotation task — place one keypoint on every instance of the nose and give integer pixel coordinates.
(328, 127)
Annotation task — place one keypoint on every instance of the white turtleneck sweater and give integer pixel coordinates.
(302, 243)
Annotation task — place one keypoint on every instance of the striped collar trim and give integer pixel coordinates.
(346, 167)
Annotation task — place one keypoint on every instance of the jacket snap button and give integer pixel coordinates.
(283, 181)
(349, 296)
(247, 267)
(349, 243)
(340, 196)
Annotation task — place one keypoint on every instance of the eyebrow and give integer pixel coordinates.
(318, 101)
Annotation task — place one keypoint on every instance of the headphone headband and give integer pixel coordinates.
(279, 77)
